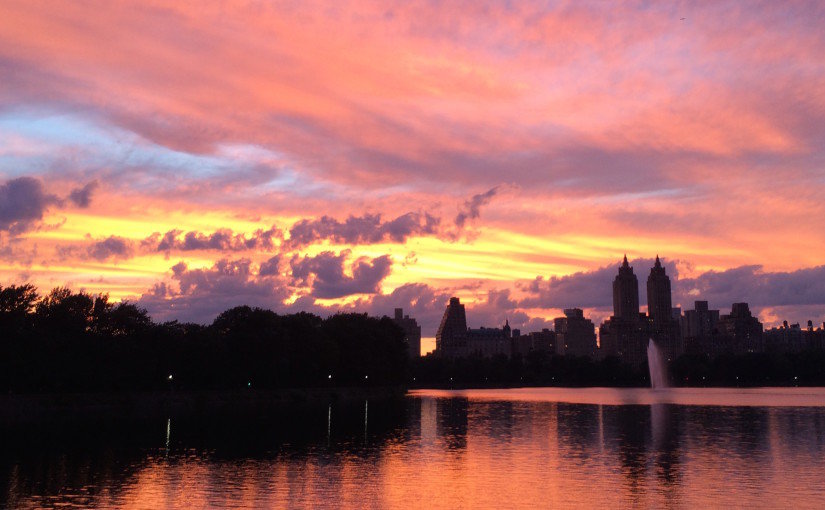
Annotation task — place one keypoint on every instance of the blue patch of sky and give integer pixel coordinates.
(42, 144)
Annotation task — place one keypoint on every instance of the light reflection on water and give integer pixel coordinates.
(470, 449)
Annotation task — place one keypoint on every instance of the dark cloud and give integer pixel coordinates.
(201, 294)
(472, 207)
(198, 295)
(324, 273)
(753, 285)
(23, 202)
(220, 240)
(366, 229)
(82, 197)
(271, 267)
(111, 247)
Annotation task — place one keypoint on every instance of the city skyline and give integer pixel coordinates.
(366, 158)
(628, 333)
(674, 326)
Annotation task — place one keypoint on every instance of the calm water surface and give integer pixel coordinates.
(519, 448)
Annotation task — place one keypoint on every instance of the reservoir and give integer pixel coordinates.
(513, 448)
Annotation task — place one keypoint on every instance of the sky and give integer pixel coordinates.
(363, 156)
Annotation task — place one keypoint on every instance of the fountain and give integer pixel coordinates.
(656, 365)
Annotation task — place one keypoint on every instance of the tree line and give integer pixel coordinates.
(545, 369)
(70, 341)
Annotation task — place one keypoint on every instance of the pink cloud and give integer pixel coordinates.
(612, 123)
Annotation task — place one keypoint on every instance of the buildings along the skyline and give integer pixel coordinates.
(626, 334)
(575, 334)
(412, 332)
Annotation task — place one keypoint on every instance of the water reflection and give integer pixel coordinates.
(168, 434)
(430, 451)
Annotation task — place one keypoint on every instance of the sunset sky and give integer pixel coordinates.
(362, 156)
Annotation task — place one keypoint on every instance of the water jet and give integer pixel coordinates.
(656, 366)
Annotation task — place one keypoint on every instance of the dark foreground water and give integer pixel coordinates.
(521, 448)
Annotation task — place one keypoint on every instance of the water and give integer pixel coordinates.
(520, 448)
(656, 366)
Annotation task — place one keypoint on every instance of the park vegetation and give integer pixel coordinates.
(77, 342)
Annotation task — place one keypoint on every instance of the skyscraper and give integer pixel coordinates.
(624, 335)
(412, 332)
(659, 306)
(664, 328)
(626, 294)
(451, 338)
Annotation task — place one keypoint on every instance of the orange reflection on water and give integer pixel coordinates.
(481, 449)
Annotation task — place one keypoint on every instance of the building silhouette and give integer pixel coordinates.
(412, 332)
(740, 331)
(699, 328)
(625, 334)
(455, 340)
(451, 338)
(793, 338)
(536, 341)
(664, 327)
(626, 294)
(575, 334)
(489, 342)
(659, 304)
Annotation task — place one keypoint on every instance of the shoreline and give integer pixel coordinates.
(38, 406)
(23, 408)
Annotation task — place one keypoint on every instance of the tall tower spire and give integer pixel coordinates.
(658, 294)
(626, 294)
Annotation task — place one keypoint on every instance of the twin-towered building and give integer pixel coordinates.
(627, 333)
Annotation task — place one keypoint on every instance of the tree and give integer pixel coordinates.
(17, 303)
(64, 314)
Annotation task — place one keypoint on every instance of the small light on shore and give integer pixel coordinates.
(366, 377)
(170, 377)
(329, 376)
